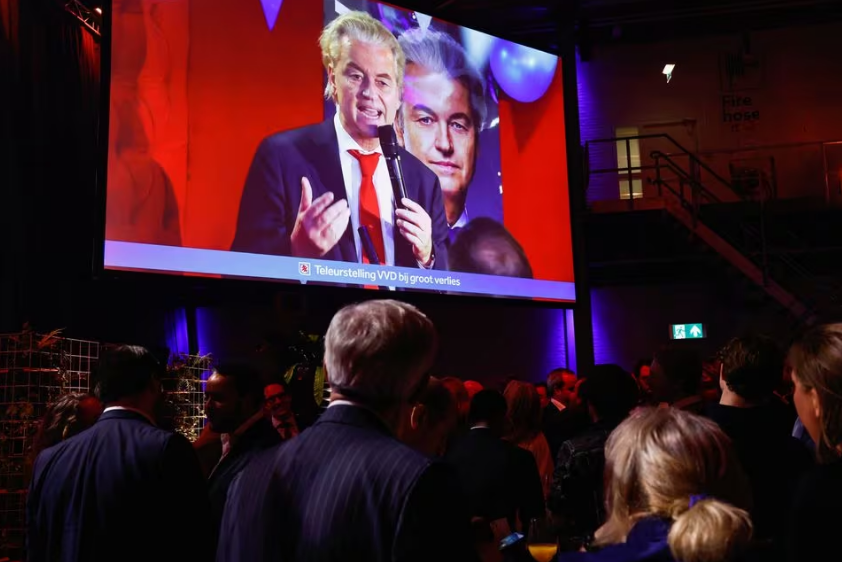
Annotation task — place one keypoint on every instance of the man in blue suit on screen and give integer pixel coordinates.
(310, 190)
(347, 489)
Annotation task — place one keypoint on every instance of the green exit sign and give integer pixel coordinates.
(687, 331)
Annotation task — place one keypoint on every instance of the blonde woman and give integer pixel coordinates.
(523, 414)
(815, 520)
(674, 493)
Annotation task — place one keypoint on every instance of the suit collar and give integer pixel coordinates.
(356, 415)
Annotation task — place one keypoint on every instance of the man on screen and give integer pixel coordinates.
(310, 190)
(442, 114)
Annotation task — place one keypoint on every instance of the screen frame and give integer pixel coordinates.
(213, 285)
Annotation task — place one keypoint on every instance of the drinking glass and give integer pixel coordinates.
(542, 541)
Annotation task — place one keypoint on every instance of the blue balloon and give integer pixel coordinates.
(524, 73)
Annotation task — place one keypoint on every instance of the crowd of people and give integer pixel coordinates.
(649, 465)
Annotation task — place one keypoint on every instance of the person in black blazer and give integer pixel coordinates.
(347, 488)
(234, 407)
(302, 193)
(124, 489)
(500, 479)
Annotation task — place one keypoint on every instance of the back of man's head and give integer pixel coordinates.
(438, 402)
(680, 367)
(484, 246)
(752, 366)
(610, 390)
(379, 352)
(246, 380)
(488, 407)
(126, 372)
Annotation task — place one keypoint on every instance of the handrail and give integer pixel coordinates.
(668, 137)
(798, 269)
(666, 161)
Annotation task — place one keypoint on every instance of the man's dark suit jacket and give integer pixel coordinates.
(345, 489)
(500, 479)
(272, 195)
(122, 490)
(259, 437)
(561, 426)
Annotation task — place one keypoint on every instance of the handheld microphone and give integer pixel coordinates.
(368, 246)
(389, 144)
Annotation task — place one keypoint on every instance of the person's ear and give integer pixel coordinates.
(398, 125)
(816, 403)
(417, 417)
(331, 78)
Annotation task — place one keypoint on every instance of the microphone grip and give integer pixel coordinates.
(368, 246)
(393, 163)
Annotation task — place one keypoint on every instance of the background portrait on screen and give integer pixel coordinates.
(247, 143)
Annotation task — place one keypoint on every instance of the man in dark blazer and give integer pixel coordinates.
(234, 407)
(124, 489)
(500, 479)
(347, 488)
(308, 192)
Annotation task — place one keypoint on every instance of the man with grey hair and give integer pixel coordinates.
(347, 488)
(311, 191)
(442, 114)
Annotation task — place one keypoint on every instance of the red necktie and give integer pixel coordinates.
(369, 208)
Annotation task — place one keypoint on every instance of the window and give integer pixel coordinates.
(628, 156)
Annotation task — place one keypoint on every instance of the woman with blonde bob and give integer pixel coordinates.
(674, 493)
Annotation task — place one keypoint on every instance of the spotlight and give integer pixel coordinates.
(668, 68)
(98, 10)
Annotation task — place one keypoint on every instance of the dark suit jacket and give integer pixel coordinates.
(272, 195)
(561, 426)
(345, 489)
(259, 437)
(500, 479)
(122, 490)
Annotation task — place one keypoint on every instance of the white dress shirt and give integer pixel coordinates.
(352, 174)
(127, 409)
(462, 220)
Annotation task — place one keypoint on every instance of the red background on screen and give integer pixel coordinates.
(215, 81)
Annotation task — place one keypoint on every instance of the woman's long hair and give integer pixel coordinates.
(523, 411)
(62, 421)
(816, 360)
(672, 464)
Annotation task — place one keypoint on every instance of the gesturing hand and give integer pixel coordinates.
(416, 227)
(319, 224)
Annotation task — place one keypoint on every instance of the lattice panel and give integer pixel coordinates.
(35, 369)
(184, 386)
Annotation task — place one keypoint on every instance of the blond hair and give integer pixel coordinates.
(357, 26)
(672, 464)
(816, 360)
(379, 352)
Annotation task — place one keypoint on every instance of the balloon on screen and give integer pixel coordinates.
(397, 21)
(478, 46)
(271, 9)
(525, 74)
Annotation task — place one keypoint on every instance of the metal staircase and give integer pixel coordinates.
(692, 193)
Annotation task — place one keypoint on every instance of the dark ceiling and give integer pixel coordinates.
(540, 23)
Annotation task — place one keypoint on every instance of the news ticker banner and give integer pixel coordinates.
(133, 255)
